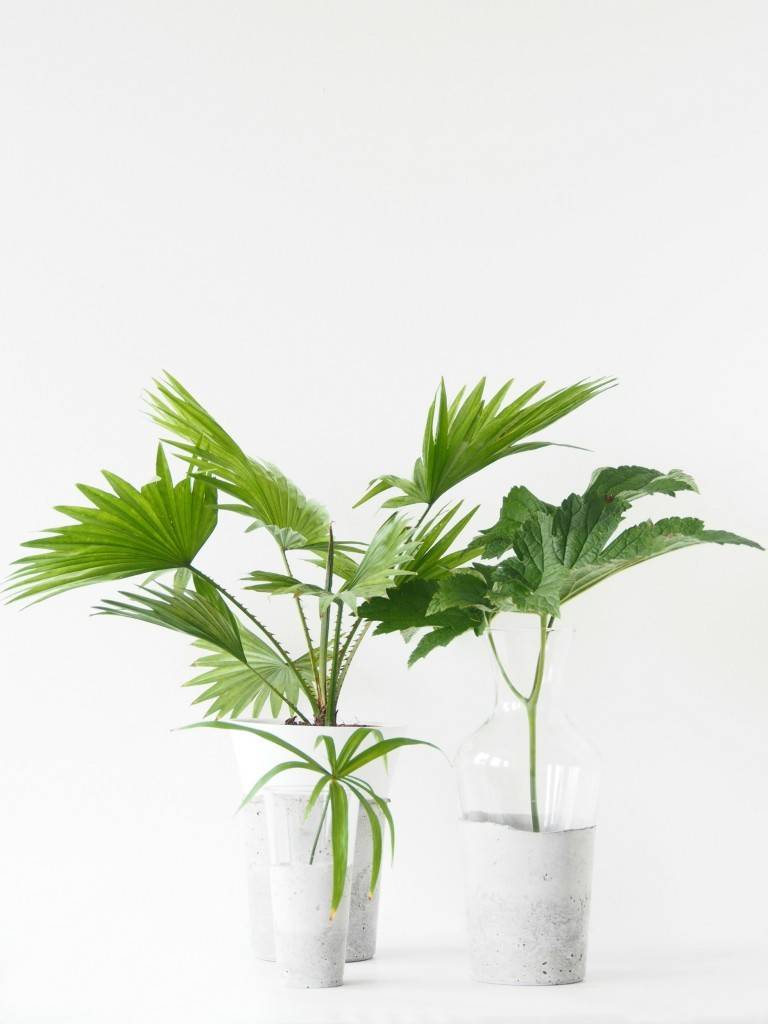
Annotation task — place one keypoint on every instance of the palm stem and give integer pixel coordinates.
(325, 618)
(350, 652)
(303, 618)
(332, 695)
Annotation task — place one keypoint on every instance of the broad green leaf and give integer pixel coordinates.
(582, 526)
(125, 532)
(464, 435)
(518, 506)
(641, 543)
(464, 588)
(407, 607)
(532, 581)
(261, 491)
(558, 553)
(629, 483)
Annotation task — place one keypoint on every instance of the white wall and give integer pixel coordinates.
(309, 212)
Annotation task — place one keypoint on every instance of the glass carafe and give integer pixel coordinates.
(529, 786)
(527, 764)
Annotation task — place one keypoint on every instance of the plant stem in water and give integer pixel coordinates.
(530, 708)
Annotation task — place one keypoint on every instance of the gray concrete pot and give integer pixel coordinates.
(528, 896)
(363, 912)
(254, 758)
(310, 941)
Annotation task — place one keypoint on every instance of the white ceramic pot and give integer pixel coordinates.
(255, 756)
(528, 896)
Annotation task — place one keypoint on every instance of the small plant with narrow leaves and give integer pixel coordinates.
(335, 783)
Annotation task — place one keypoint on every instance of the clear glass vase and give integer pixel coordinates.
(529, 788)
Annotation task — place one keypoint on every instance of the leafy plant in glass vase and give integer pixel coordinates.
(156, 533)
(528, 783)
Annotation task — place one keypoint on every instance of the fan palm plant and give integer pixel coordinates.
(160, 529)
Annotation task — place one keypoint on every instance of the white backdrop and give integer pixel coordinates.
(309, 213)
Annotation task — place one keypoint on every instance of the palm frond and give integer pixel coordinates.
(125, 532)
(262, 492)
(432, 557)
(383, 563)
(464, 435)
(201, 613)
(233, 686)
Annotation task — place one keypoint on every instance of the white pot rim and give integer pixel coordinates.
(269, 723)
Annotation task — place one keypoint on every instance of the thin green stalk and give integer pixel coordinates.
(350, 649)
(531, 712)
(332, 691)
(531, 705)
(303, 619)
(503, 671)
(325, 619)
(273, 639)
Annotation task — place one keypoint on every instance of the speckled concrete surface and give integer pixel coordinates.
(253, 825)
(363, 912)
(528, 897)
(310, 947)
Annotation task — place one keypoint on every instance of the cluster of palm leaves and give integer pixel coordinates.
(156, 533)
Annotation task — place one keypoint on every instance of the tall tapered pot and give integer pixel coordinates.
(255, 757)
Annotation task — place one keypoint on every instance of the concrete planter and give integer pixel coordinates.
(363, 912)
(254, 758)
(310, 945)
(528, 896)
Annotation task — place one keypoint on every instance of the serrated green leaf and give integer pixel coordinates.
(517, 507)
(532, 581)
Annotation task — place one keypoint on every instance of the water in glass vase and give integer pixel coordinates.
(529, 786)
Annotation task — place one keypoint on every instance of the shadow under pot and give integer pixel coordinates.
(528, 784)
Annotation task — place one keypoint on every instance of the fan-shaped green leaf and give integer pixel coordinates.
(465, 435)
(263, 493)
(126, 532)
